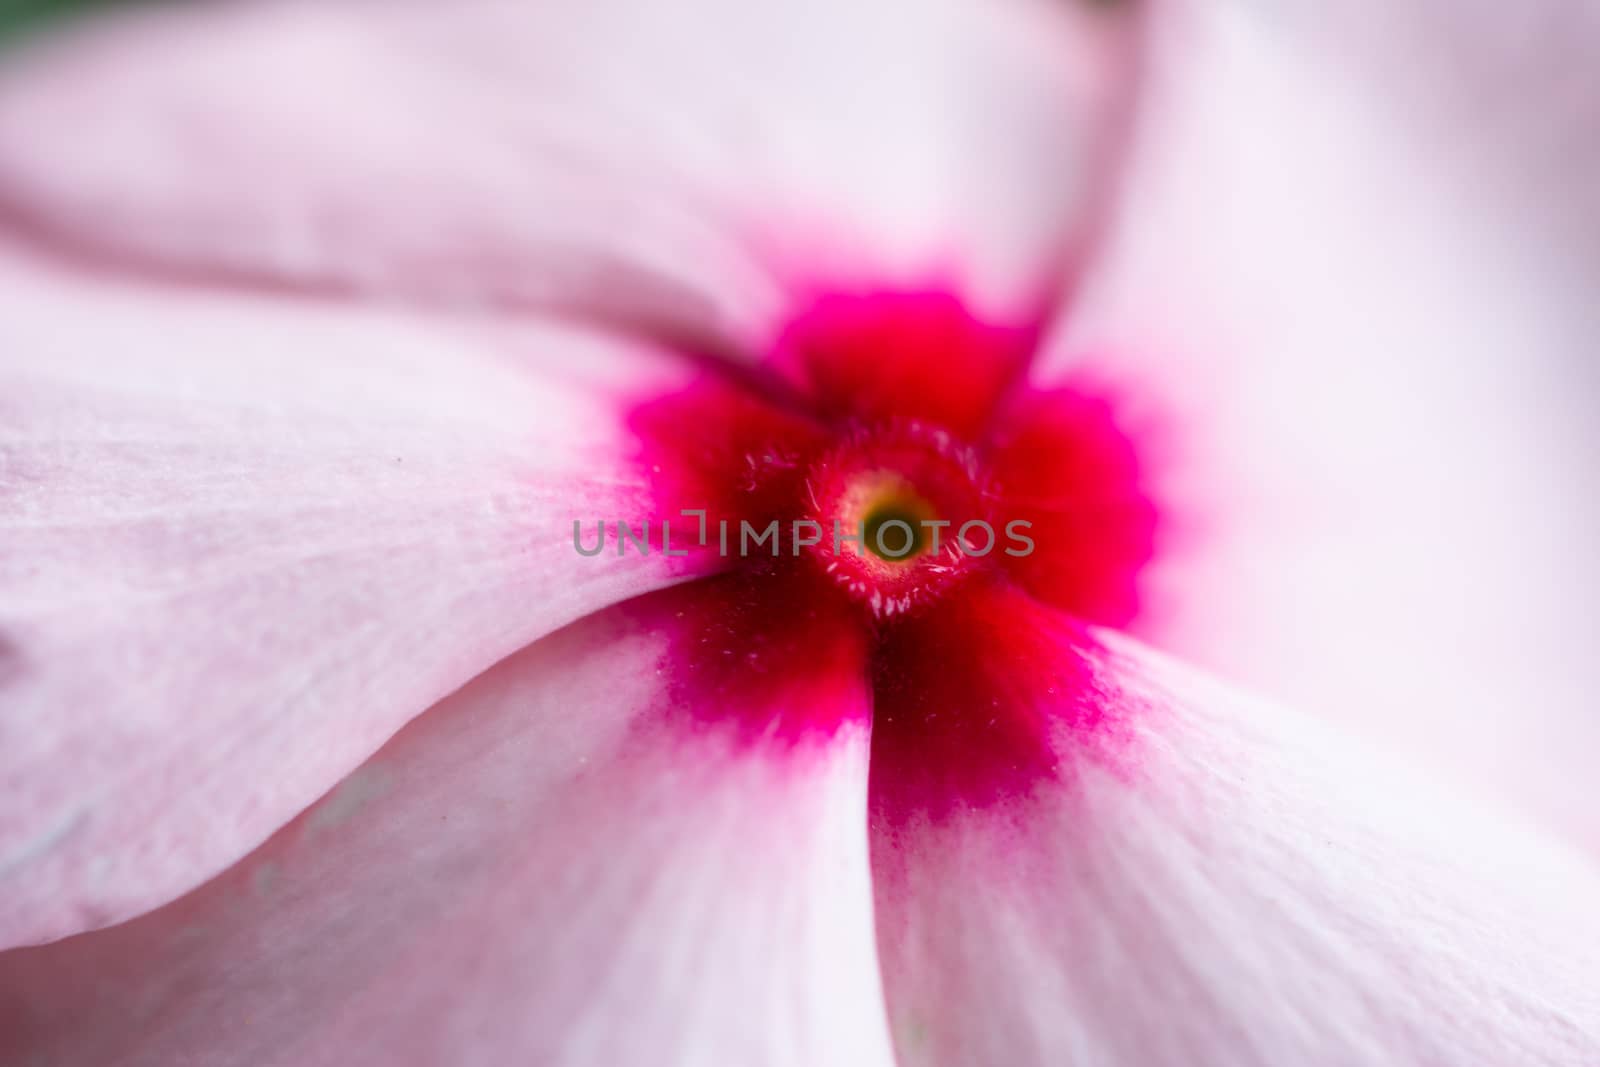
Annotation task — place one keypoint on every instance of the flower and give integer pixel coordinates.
(322, 323)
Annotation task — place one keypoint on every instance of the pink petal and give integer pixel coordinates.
(681, 163)
(1064, 462)
(243, 541)
(562, 864)
(880, 356)
(1202, 880)
(1355, 264)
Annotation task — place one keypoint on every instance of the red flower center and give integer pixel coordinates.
(929, 525)
(902, 509)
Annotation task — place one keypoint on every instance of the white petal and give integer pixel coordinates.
(1218, 882)
(562, 864)
(1354, 267)
(689, 163)
(243, 541)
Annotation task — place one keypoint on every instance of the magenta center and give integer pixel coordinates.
(904, 514)
(950, 530)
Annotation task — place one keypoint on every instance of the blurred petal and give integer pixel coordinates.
(1063, 461)
(562, 864)
(1206, 881)
(677, 161)
(1356, 259)
(243, 541)
(880, 356)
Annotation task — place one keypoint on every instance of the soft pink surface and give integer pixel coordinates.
(647, 881)
(1232, 885)
(261, 525)
(1352, 273)
(671, 164)
(559, 865)
(245, 540)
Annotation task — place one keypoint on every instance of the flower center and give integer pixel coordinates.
(891, 519)
(902, 514)
(894, 520)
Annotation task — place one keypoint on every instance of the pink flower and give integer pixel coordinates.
(321, 324)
